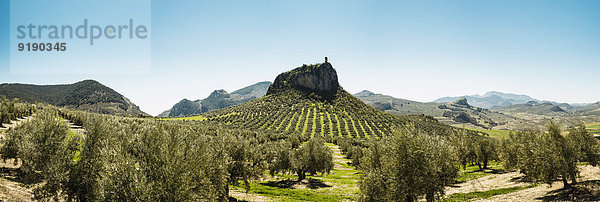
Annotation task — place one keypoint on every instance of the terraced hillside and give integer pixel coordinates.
(309, 100)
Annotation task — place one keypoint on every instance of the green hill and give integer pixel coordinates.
(533, 107)
(456, 113)
(310, 101)
(87, 95)
(218, 99)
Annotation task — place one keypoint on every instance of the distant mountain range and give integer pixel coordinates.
(533, 107)
(457, 112)
(495, 99)
(87, 95)
(218, 99)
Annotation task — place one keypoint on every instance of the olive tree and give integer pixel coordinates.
(547, 156)
(406, 165)
(312, 157)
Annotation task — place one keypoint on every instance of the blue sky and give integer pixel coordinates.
(418, 50)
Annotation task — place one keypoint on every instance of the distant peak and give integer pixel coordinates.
(532, 103)
(365, 93)
(88, 81)
(462, 101)
(218, 93)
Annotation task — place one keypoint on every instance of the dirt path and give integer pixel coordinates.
(493, 181)
(10, 188)
(339, 159)
(14, 123)
(243, 196)
(75, 128)
(588, 173)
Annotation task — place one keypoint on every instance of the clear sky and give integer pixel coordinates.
(418, 50)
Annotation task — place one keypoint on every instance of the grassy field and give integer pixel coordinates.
(473, 172)
(339, 185)
(593, 126)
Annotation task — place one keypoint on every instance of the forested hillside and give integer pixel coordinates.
(88, 95)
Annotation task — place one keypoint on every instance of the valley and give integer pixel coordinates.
(300, 138)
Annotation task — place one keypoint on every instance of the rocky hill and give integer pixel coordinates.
(319, 79)
(309, 100)
(87, 95)
(218, 99)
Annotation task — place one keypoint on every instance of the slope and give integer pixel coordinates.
(454, 113)
(589, 110)
(87, 95)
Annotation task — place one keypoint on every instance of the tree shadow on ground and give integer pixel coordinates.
(487, 170)
(13, 172)
(289, 184)
(233, 199)
(521, 179)
(582, 191)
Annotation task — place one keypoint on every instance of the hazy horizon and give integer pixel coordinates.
(407, 49)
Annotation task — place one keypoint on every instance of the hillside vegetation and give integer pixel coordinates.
(309, 101)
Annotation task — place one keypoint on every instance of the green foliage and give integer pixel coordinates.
(312, 157)
(585, 145)
(406, 165)
(45, 149)
(12, 109)
(352, 148)
(278, 156)
(246, 162)
(475, 149)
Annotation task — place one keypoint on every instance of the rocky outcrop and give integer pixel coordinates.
(185, 107)
(462, 101)
(320, 78)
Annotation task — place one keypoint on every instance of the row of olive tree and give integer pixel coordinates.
(135, 159)
(13, 109)
(412, 162)
(546, 156)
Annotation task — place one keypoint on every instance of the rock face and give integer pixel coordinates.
(185, 107)
(319, 78)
